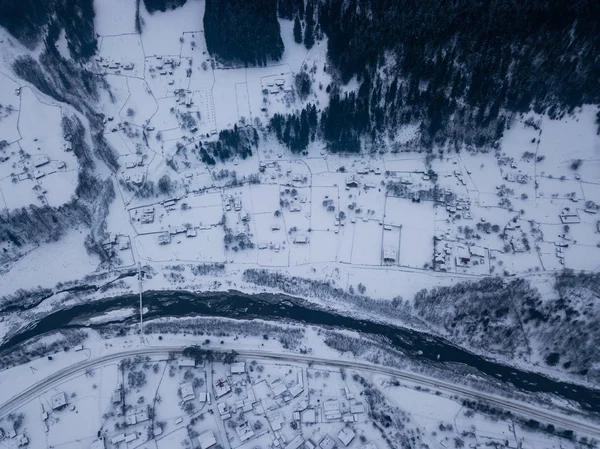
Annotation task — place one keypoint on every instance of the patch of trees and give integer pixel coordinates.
(27, 20)
(41, 346)
(287, 9)
(35, 224)
(296, 130)
(232, 142)
(484, 315)
(345, 120)
(499, 316)
(243, 31)
(162, 5)
(462, 69)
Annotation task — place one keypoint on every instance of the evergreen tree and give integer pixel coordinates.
(309, 31)
(297, 30)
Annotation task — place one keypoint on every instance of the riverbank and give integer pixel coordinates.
(411, 344)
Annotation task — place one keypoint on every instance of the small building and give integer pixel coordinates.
(131, 437)
(346, 435)
(207, 440)
(59, 401)
(389, 255)
(191, 232)
(238, 368)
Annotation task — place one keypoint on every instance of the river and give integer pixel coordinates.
(268, 307)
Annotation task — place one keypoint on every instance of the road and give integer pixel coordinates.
(532, 411)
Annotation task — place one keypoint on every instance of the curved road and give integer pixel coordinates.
(530, 411)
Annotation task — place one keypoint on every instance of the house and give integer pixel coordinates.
(463, 256)
(116, 397)
(40, 160)
(221, 388)
(130, 419)
(517, 245)
(570, 218)
(278, 387)
(296, 390)
(332, 409)
(59, 401)
(477, 251)
(207, 439)
(351, 181)
(301, 239)
(357, 408)
(164, 238)
(22, 440)
(327, 443)
(118, 439)
(187, 391)
(296, 443)
(346, 435)
(238, 368)
(244, 431)
(186, 362)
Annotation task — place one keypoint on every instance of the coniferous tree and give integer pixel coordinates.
(297, 30)
(309, 30)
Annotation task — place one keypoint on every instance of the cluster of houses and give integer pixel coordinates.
(464, 255)
(115, 66)
(276, 86)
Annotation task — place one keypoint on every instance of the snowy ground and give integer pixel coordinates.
(529, 210)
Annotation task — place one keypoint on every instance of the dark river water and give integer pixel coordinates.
(414, 344)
